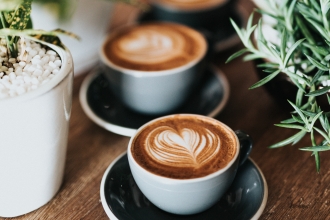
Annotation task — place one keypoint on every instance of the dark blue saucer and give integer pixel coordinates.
(122, 199)
(101, 106)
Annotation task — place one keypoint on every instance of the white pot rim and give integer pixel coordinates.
(66, 67)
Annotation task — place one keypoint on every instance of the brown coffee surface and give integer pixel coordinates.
(184, 147)
(154, 46)
(190, 4)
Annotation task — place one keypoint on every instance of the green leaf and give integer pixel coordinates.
(295, 77)
(325, 122)
(317, 63)
(317, 161)
(250, 21)
(265, 80)
(237, 54)
(299, 97)
(316, 148)
(33, 32)
(323, 134)
(288, 121)
(237, 29)
(325, 5)
(306, 105)
(271, 50)
(268, 65)
(297, 119)
(295, 81)
(300, 113)
(304, 30)
(327, 57)
(319, 91)
(284, 37)
(248, 33)
(316, 4)
(252, 57)
(292, 126)
(293, 139)
(316, 49)
(319, 28)
(314, 120)
(260, 35)
(308, 113)
(291, 50)
(317, 76)
(289, 16)
(21, 16)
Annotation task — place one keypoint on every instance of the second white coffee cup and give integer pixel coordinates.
(153, 67)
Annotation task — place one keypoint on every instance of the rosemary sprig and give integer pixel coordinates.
(303, 54)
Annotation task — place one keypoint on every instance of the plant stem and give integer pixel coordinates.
(8, 38)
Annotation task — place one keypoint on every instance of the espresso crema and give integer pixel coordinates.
(154, 47)
(190, 4)
(184, 147)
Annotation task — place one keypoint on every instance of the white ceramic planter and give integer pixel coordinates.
(90, 21)
(33, 141)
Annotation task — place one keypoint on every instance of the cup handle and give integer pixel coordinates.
(245, 146)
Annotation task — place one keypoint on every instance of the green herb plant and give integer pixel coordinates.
(303, 54)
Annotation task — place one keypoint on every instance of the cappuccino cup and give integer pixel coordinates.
(153, 67)
(184, 163)
(194, 13)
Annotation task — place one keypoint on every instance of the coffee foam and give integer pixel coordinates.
(155, 46)
(184, 147)
(190, 4)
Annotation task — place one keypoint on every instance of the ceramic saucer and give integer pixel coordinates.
(104, 109)
(220, 34)
(122, 199)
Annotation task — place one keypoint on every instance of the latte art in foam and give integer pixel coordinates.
(150, 45)
(186, 148)
(155, 46)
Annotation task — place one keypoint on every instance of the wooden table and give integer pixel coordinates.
(296, 190)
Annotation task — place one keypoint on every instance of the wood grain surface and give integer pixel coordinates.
(296, 190)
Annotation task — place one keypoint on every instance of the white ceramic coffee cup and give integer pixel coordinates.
(157, 91)
(188, 196)
(196, 14)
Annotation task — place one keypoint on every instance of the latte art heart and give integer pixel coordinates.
(150, 45)
(185, 148)
(155, 46)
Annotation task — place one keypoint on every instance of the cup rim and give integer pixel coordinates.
(173, 9)
(191, 180)
(152, 73)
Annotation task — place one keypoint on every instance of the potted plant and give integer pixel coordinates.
(36, 78)
(292, 40)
